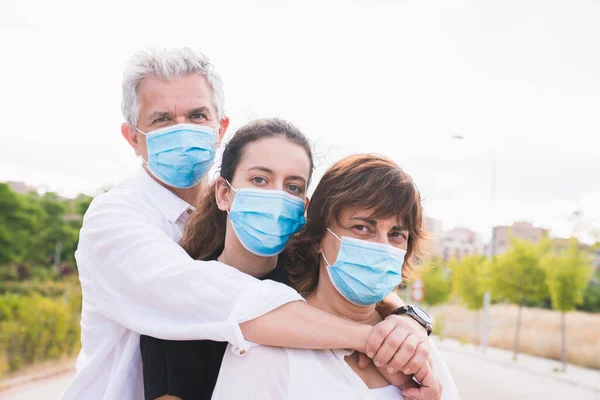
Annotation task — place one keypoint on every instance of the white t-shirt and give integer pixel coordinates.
(295, 374)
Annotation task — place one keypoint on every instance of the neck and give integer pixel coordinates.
(235, 255)
(326, 297)
(190, 195)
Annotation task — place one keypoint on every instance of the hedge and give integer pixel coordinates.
(35, 328)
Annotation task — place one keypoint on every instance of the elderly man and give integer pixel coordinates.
(135, 277)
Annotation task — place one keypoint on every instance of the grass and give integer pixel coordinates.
(540, 331)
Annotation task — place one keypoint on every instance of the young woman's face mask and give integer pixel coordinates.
(265, 220)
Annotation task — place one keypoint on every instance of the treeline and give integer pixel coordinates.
(36, 231)
(556, 275)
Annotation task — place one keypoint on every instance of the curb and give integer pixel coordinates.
(11, 383)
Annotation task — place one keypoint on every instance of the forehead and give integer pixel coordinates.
(277, 154)
(188, 92)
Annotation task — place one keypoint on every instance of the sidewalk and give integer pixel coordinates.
(575, 375)
(45, 370)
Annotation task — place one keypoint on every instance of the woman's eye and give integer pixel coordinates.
(362, 229)
(259, 180)
(294, 188)
(399, 235)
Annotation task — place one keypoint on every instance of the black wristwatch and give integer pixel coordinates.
(418, 315)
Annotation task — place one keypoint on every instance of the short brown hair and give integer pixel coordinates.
(367, 181)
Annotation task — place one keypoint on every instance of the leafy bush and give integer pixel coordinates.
(35, 328)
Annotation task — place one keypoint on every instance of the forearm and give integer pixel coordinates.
(300, 325)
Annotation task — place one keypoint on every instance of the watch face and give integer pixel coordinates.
(422, 314)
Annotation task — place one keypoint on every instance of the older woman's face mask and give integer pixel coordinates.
(365, 272)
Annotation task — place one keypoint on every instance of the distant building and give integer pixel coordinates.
(460, 242)
(457, 242)
(20, 187)
(435, 233)
(519, 230)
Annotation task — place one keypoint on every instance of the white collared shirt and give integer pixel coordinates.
(136, 280)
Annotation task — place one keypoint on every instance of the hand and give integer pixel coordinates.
(399, 343)
(430, 388)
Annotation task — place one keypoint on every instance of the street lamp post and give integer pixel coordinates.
(492, 250)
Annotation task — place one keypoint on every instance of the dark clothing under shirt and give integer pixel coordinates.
(188, 368)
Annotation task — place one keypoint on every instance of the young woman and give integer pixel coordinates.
(362, 234)
(247, 218)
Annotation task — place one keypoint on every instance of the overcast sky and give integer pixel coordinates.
(396, 77)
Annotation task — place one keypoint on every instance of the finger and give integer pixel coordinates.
(426, 377)
(411, 384)
(429, 389)
(418, 360)
(404, 353)
(377, 337)
(363, 361)
(393, 342)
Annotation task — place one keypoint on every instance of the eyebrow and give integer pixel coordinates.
(269, 171)
(199, 110)
(374, 223)
(158, 114)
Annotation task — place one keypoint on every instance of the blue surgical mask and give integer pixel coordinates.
(180, 155)
(265, 220)
(365, 272)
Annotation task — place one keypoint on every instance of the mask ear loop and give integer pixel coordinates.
(229, 184)
(330, 231)
(323, 254)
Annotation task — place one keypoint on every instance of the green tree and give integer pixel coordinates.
(438, 284)
(470, 280)
(518, 278)
(567, 275)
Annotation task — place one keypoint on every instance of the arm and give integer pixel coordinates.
(146, 282)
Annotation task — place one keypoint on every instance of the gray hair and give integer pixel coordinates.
(167, 63)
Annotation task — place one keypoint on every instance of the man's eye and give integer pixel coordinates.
(161, 119)
(197, 116)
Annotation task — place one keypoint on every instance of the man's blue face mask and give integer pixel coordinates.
(265, 220)
(365, 272)
(180, 155)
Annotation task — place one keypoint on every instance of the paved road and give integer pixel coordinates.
(482, 379)
(477, 378)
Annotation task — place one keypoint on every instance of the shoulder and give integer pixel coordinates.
(125, 200)
(270, 358)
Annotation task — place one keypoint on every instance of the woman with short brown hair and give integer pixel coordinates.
(361, 238)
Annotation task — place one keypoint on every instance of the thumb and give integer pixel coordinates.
(363, 361)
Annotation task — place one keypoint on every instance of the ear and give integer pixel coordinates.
(222, 191)
(223, 125)
(306, 203)
(130, 134)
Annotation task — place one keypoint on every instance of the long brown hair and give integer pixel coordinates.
(204, 235)
(367, 181)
